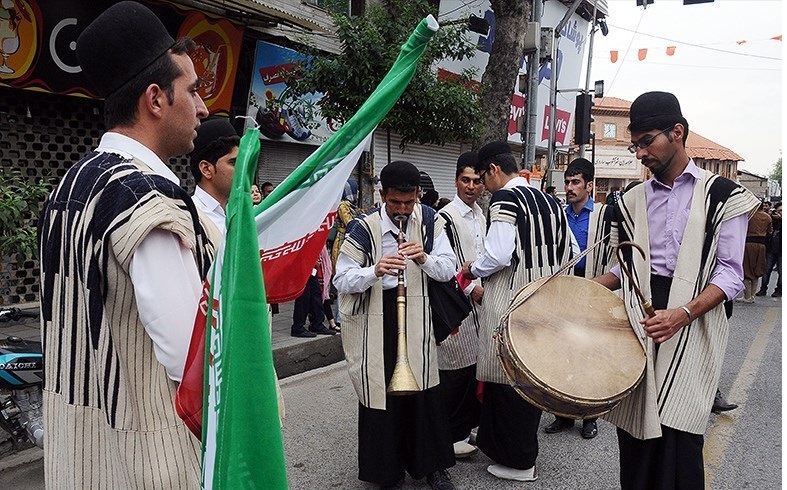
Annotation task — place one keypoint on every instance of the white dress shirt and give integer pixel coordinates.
(211, 208)
(351, 278)
(501, 240)
(167, 285)
(474, 217)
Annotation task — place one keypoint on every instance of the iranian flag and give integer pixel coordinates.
(228, 393)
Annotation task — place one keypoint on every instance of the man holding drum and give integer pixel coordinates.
(589, 222)
(517, 253)
(692, 225)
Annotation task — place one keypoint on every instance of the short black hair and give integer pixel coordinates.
(266, 183)
(581, 166)
(120, 107)
(551, 189)
(215, 150)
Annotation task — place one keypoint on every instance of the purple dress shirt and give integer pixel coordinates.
(668, 213)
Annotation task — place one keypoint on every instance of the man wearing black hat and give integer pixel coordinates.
(517, 253)
(212, 164)
(457, 354)
(123, 256)
(692, 225)
(589, 221)
(395, 433)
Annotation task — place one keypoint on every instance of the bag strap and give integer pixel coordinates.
(428, 215)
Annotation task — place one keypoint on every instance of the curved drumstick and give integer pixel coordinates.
(646, 303)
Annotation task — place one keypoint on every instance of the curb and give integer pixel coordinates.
(22, 457)
(316, 353)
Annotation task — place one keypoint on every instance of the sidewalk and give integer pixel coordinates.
(291, 355)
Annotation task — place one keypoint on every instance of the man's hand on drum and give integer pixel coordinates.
(664, 324)
(389, 264)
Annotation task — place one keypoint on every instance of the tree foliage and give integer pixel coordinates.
(431, 110)
(20, 199)
(776, 173)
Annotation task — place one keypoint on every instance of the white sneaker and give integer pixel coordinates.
(507, 473)
(473, 435)
(464, 450)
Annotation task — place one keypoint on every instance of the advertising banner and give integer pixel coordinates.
(569, 62)
(281, 116)
(38, 46)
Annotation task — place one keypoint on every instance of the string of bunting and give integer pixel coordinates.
(642, 53)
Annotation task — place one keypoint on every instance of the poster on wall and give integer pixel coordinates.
(38, 46)
(280, 115)
(570, 55)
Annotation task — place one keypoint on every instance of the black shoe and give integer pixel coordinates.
(777, 293)
(761, 292)
(560, 424)
(722, 405)
(589, 429)
(302, 333)
(322, 330)
(440, 480)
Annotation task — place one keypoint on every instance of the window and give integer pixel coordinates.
(610, 131)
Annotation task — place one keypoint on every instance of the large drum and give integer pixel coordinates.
(569, 348)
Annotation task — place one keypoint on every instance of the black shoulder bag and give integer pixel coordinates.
(448, 303)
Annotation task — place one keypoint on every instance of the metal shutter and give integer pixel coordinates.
(278, 160)
(438, 161)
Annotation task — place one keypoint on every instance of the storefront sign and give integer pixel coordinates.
(38, 46)
(281, 116)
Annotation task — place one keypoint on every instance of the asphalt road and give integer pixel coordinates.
(742, 448)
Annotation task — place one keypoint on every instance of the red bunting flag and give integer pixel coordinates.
(670, 50)
(613, 56)
(642, 53)
(777, 38)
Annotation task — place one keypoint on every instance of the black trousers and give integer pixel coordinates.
(670, 462)
(411, 434)
(508, 430)
(308, 304)
(458, 391)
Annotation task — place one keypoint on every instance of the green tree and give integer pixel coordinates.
(432, 110)
(776, 173)
(20, 199)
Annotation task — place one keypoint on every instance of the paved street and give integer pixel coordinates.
(742, 449)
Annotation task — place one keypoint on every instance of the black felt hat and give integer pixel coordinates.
(467, 159)
(400, 174)
(211, 130)
(119, 44)
(490, 150)
(655, 110)
(425, 181)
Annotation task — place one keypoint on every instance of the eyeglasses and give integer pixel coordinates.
(646, 141)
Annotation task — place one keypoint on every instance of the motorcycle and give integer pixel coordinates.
(21, 384)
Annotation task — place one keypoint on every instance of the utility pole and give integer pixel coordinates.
(553, 90)
(593, 30)
(533, 67)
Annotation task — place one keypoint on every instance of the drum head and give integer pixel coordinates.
(574, 336)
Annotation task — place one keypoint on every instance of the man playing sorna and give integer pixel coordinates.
(409, 432)
(692, 225)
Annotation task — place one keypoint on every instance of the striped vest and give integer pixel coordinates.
(680, 381)
(542, 246)
(108, 403)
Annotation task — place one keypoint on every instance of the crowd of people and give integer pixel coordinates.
(125, 250)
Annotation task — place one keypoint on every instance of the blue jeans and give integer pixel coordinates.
(772, 260)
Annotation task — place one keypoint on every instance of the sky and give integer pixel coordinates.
(730, 91)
